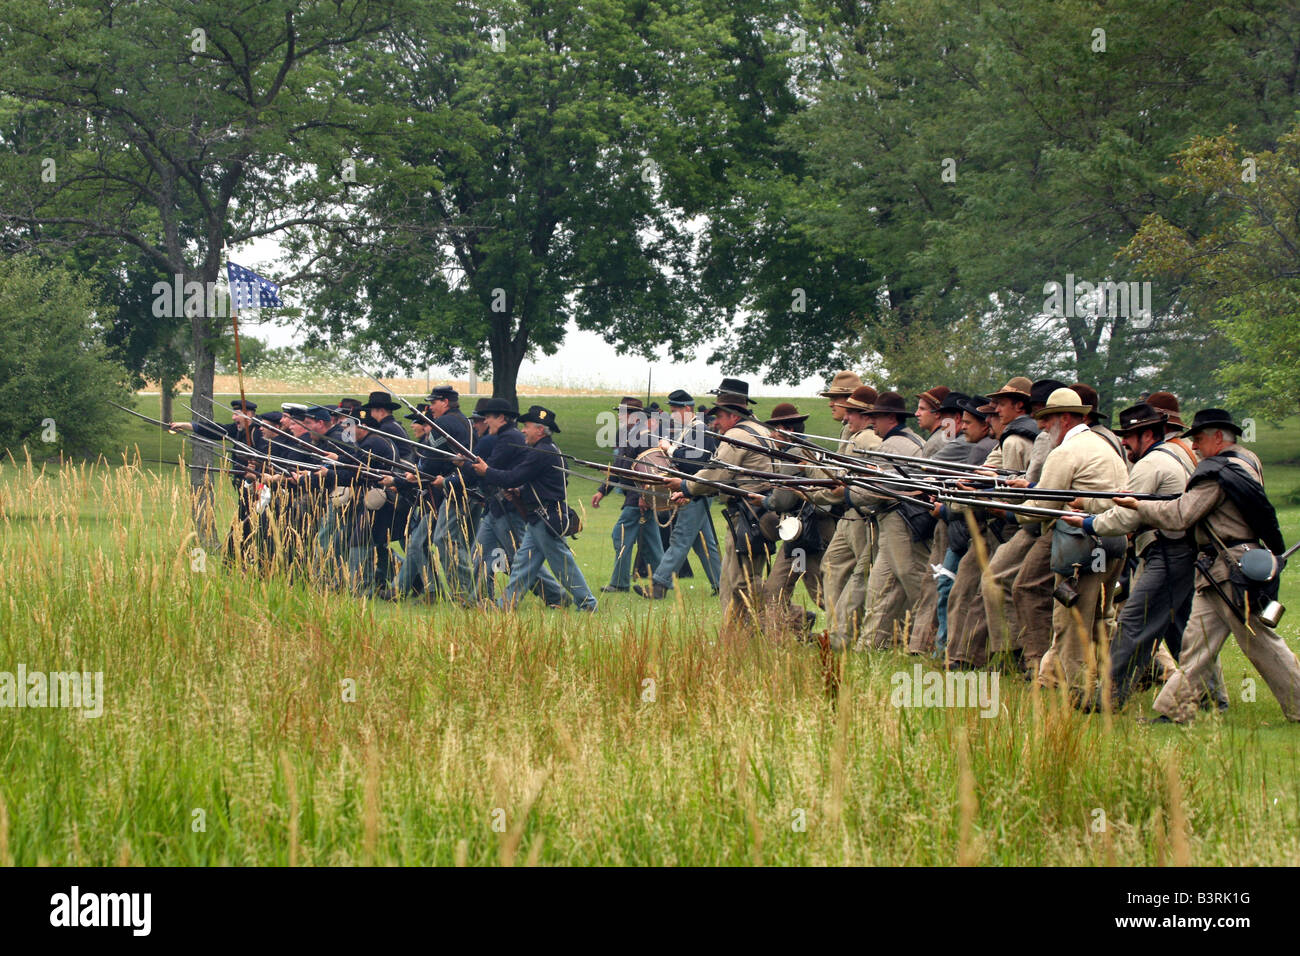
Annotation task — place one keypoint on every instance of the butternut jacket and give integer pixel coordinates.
(753, 432)
(1086, 462)
(856, 443)
(1164, 469)
(1206, 504)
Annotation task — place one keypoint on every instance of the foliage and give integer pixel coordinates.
(1056, 148)
(56, 373)
(1239, 262)
(537, 171)
(174, 129)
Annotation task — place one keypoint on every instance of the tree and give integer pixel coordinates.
(967, 149)
(544, 162)
(56, 373)
(1238, 260)
(175, 129)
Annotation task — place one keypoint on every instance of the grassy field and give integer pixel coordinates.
(251, 720)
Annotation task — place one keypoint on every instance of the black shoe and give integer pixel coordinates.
(657, 592)
(610, 589)
(1148, 721)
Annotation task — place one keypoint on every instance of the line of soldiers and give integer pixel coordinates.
(328, 489)
(1073, 583)
(1005, 533)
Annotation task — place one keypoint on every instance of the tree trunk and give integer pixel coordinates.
(505, 375)
(165, 387)
(506, 359)
(201, 401)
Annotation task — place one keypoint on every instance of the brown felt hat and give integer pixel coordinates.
(863, 397)
(784, 414)
(1166, 402)
(1090, 397)
(630, 402)
(1138, 417)
(842, 384)
(1018, 387)
(891, 403)
(935, 396)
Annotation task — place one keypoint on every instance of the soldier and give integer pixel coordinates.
(452, 532)
(952, 447)
(987, 627)
(320, 476)
(690, 447)
(369, 560)
(745, 550)
(894, 584)
(636, 521)
(977, 434)
(425, 486)
(800, 558)
(1081, 460)
(387, 522)
(466, 478)
(502, 528)
(1226, 508)
(1021, 569)
(927, 418)
(854, 542)
(839, 558)
(464, 481)
(539, 476)
(1160, 600)
(328, 506)
(242, 537)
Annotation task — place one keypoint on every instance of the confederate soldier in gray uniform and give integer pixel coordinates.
(1226, 508)
(1160, 598)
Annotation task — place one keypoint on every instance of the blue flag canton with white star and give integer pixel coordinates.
(248, 290)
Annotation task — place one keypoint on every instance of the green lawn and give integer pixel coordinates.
(252, 720)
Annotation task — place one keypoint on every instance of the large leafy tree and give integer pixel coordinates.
(545, 166)
(175, 129)
(1239, 263)
(1054, 122)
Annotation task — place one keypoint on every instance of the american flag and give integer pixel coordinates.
(248, 290)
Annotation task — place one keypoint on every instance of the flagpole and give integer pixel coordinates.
(239, 363)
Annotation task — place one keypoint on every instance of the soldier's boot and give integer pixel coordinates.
(656, 591)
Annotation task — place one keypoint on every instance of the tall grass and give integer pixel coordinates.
(633, 736)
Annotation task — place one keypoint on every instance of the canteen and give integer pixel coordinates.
(790, 527)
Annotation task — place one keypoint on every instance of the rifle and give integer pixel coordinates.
(464, 452)
(926, 464)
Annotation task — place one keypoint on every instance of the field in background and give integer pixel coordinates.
(361, 385)
(634, 736)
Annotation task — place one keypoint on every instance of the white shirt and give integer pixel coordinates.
(1076, 430)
